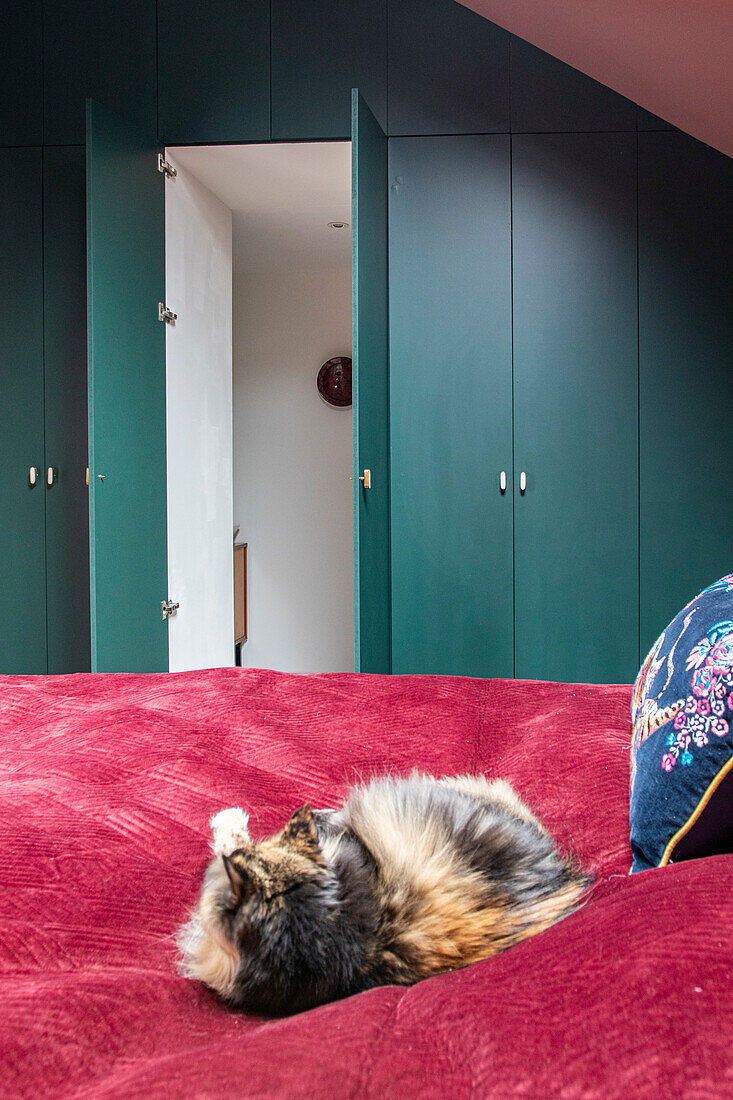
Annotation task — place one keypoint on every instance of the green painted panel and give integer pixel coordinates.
(370, 341)
(65, 369)
(451, 400)
(21, 73)
(105, 50)
(686, 372)
(213, 73)
(126, 362)
(22, 530)
(575, 407)
(550, 96)
(448, 70)
(320, 51)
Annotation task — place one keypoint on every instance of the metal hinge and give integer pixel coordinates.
(166, 167)
(165, 314)
(168, 608)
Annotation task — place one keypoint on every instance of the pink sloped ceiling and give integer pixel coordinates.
(673, 57)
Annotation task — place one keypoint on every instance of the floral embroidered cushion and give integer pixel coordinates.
(682, 741)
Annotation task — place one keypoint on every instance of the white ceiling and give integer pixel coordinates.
(282, 198)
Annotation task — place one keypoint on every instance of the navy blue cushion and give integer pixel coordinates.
(682, 744)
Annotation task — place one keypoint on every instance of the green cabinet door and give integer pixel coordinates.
(451, 405)
(65, 400)
(22, 517)
(685, 372)
(370, 342)
(126, 364)
(319, 50)
(575, 407)
(21, 73)
(104, 50)
(448, 70)
(213, 72)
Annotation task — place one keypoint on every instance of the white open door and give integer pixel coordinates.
(198, 276)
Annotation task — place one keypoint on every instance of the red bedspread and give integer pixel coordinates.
(107, 786)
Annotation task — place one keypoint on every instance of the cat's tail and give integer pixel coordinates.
(550, 902)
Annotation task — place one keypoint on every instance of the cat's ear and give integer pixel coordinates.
(300, 831)
(239, 878)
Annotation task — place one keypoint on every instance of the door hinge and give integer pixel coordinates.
(165, 314)
(168, 608)
(166, 167)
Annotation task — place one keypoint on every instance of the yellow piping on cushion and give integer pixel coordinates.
(696, 812)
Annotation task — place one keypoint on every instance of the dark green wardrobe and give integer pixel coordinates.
(560, 313)
(22, 505)
(127, 397)
(685, 372)
(451, 404)
(576, 564)
(370, 409)
(559, 307)
(44, 534)
(514, 405)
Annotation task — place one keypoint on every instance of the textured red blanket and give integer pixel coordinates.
(106, 789)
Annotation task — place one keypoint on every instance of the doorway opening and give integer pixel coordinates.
(258, 273)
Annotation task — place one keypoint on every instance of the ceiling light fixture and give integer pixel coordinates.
(338, 225)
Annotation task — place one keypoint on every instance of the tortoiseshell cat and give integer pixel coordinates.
(410, 878)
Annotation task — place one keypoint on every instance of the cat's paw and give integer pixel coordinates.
(229, 831)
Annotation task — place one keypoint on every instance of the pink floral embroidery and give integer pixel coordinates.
(706, 711)
(720, 657)
(701, 713)
(703, 679)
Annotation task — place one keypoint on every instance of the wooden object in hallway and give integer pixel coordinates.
(240, 592)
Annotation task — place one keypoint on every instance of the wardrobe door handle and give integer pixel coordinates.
(502, 481)
(522, 482)
(51, 473)
(32, 476)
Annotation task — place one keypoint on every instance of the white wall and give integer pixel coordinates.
(199, 424)
(292, 461)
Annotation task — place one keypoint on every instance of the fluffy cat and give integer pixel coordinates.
(410, 878)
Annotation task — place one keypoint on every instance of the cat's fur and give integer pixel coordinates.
(410, 878)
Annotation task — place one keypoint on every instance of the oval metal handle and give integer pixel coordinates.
(502, 481)
(32, 475)
(51, 475)
(522, 482)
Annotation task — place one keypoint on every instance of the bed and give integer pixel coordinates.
(107, 786)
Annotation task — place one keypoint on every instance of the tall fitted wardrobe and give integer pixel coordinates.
(560, 276)
(560, 350)
(515, 409)
(44, 529)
